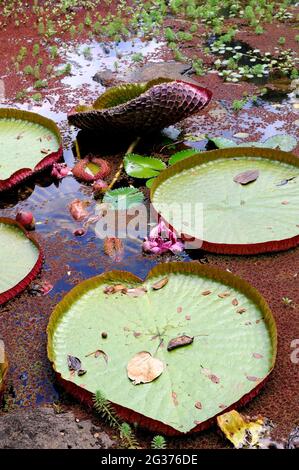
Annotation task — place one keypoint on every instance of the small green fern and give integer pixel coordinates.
(158, 442)
(105, 410)
(127, 436)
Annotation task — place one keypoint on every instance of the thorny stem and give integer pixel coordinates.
(120, 168)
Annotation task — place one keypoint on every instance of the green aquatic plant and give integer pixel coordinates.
(158, 442)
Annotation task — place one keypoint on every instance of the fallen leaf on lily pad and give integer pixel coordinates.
(210, 375)
(135, 291)
(240, 430)
(246, 177)
(114, 289)
(98, 353)
(144, 368)
(73, 363)
(180, 341)
(159, 284)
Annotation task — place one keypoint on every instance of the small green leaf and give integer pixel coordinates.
(280, 141)
(149, 182)
(142, 167)
(123, 198)
(222, 142)
(177, 157)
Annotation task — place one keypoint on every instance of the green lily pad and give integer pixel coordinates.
(237, 218)
(177, 157)
(231, 355)
(284, 142)
(123, 198)
(139, 166)
(21, 259)
(29, 143)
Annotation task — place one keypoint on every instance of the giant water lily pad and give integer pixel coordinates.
(231, 355)
(21, 259)
(141, 108)
(29, 143)
(240, 218)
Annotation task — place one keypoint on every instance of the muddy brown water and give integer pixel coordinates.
(70, 259)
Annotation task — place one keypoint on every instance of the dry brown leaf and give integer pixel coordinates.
(222, 295)
(98, 353)
(159, 284)
(211, 376)
(198, 405)
(247, 177)
(78, 209)
(144, 368)
(179, 341)
(114, 289)
(235, 302)
(135, 291)
(206, 292)
(241, 310)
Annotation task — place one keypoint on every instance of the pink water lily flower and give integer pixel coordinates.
(60, 171)
(162, 239)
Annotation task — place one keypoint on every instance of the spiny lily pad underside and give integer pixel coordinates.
(231, 355)
(29, 143)
(141, 108)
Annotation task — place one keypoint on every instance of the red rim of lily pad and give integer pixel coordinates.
(161, 105)
(18, 288)
(231, 280)
(46, 162)
(213, 155)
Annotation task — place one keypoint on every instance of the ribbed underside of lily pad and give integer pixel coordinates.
(232, 353)
(28, 143)
(20, 259)
(141, 108)
(236, 218)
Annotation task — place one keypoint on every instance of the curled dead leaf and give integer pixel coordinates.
(247, 177)
(144, 368)
(73, 363)
(235, 302)
(98, 353)
(179, 341)
(78, 209)
(159, 284)
(198, 405)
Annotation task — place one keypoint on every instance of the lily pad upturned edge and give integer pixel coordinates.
(212, 155)
(24, 173)
(18, 288)
(162, 269)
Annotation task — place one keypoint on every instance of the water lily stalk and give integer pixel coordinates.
(77, 149)
(131, 148)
